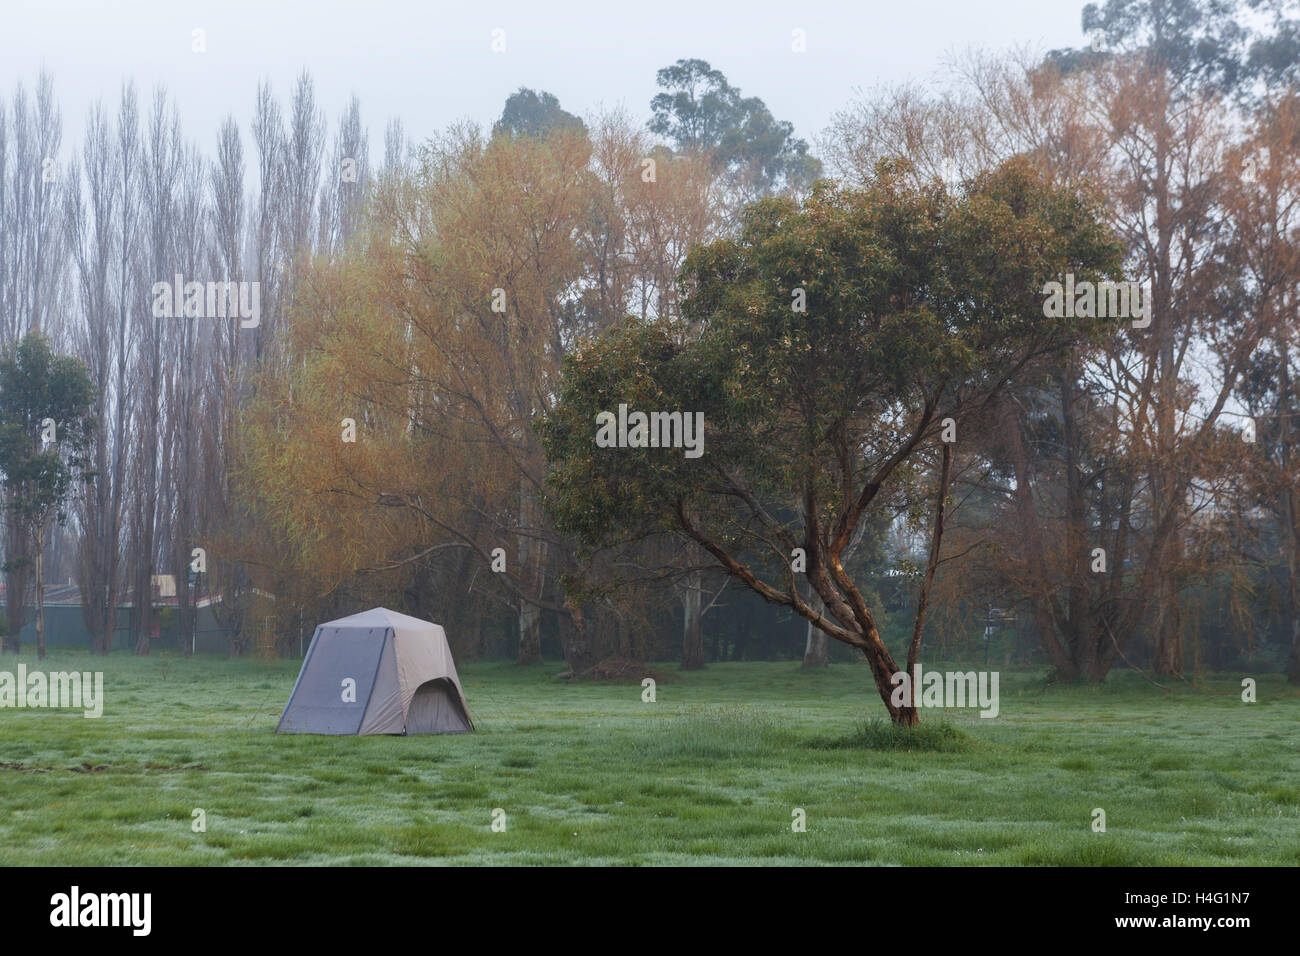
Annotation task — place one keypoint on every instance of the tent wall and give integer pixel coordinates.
(337, 654)
(386, 712)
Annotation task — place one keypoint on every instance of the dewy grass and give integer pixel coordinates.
(936, 735)
(717, 733)
(587, 773)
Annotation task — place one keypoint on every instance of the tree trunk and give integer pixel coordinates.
(40, 598)
(866, 638)
(692, 618)
(1052, 638)
(529, 578)
(816, 647)
(530, 634)
(576, 643)
(185, 610)
(16, 588)
(144, 612)
(883, 669)
(1293, 668)
(1288, 508)
(931, 565)
(1167, 658)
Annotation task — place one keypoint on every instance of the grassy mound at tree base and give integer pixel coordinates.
(935, 735)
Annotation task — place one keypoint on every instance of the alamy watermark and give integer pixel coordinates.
(1099, 300)
(937, 689)
(210, 300)
(651, 430)
(75, 690)
(75, 909)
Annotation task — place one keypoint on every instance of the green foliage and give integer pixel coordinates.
(38, 387)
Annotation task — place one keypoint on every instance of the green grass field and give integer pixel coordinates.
(710, 773)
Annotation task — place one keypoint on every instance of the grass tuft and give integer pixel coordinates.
(933, 736)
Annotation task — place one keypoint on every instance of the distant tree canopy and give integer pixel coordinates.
(1201, 42)
(1275, 56)
(531, 113)
(700, 110)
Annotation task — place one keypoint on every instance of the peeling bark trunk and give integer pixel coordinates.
(883, 670)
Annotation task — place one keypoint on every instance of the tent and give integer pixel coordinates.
(377, 672)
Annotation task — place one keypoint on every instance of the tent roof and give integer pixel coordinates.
(380, 617)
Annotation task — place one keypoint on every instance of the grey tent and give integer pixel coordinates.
(377, 672)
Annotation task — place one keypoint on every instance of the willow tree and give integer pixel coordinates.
(439, 335)
(826, 346)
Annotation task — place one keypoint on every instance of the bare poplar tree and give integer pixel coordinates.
(98, 226)
(345, 181)
(163, 159)
(30, 237)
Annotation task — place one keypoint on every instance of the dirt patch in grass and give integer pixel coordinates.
(154, 765)
(87, 767)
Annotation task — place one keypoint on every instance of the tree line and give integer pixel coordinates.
(884, 382)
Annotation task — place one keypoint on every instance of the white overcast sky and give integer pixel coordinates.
(431, 63)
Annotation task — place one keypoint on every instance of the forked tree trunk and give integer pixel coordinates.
(883, 670)
(850, 614)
